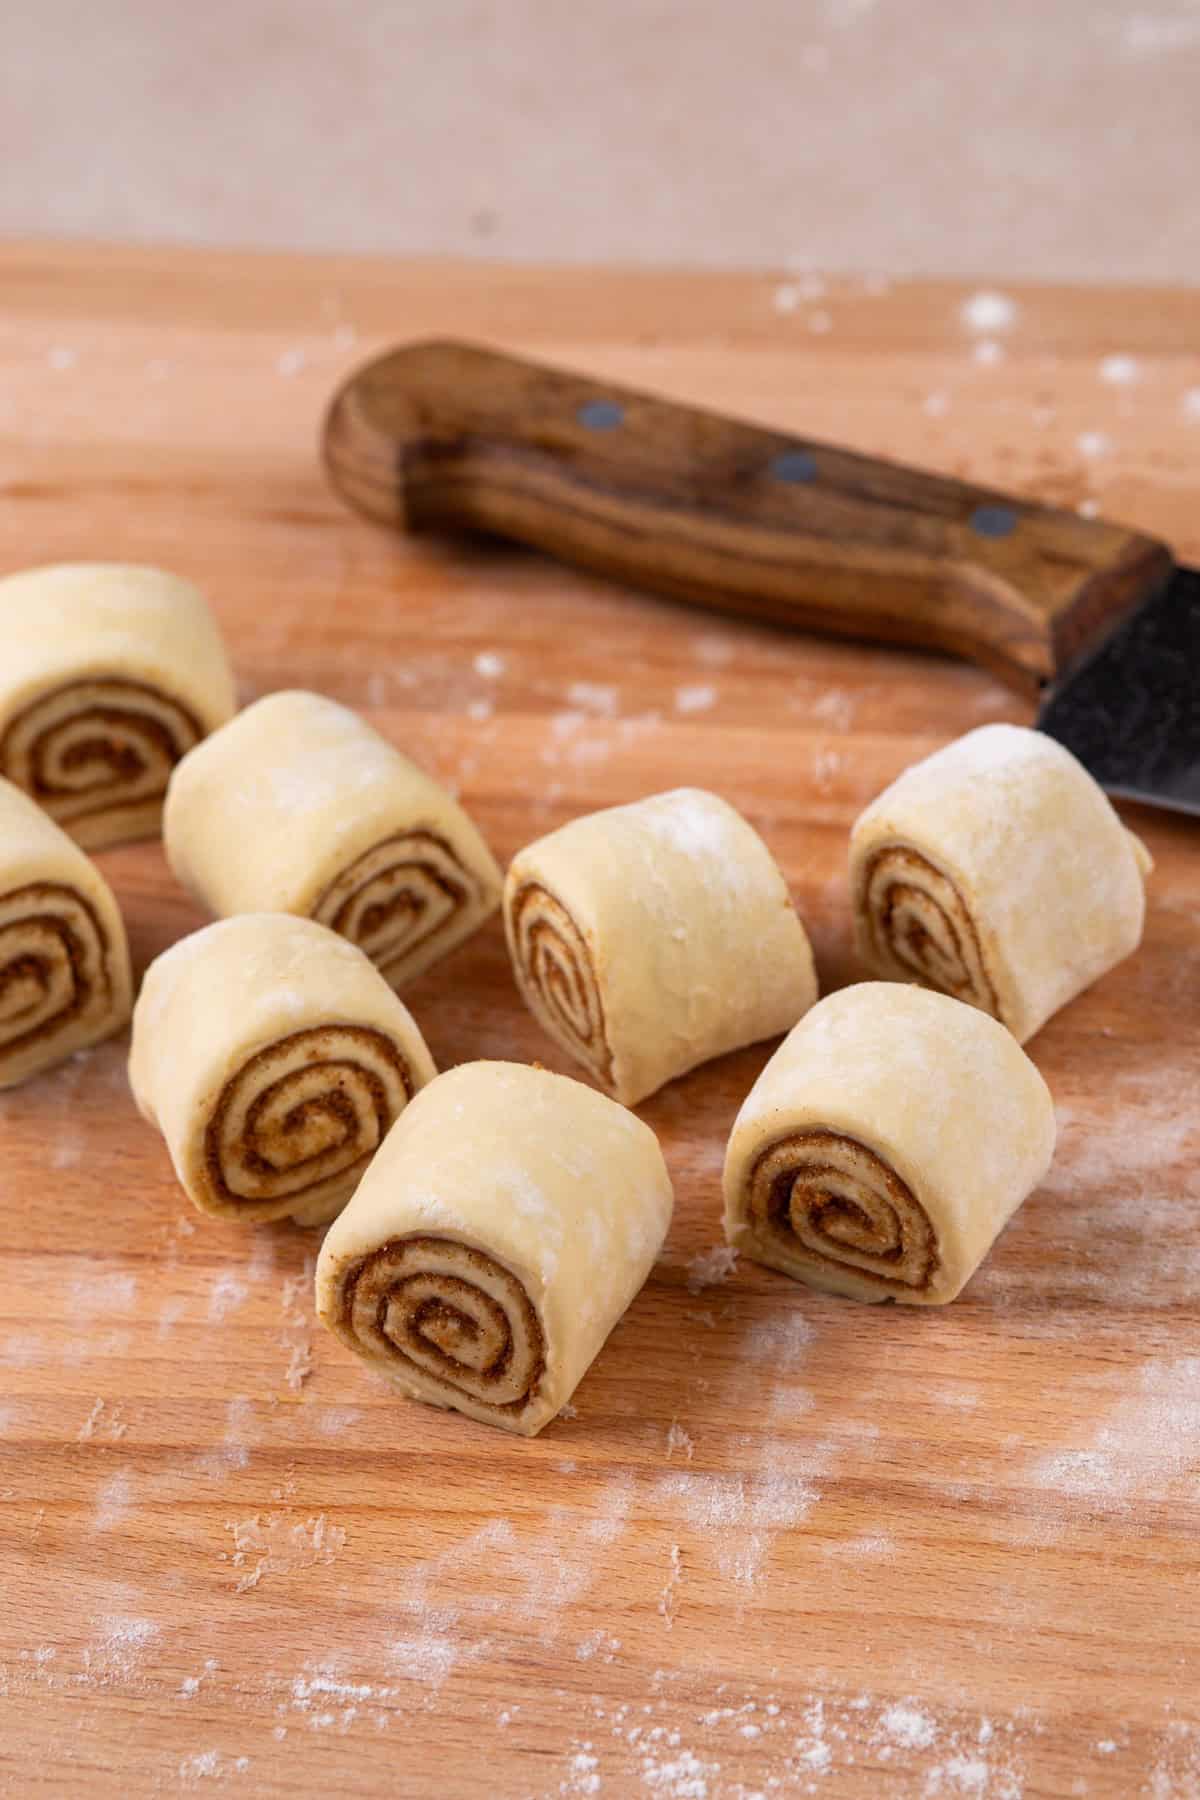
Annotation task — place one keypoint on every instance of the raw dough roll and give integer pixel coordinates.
(274, 1060)
(652, 937)
(108, 674)
(297, 806)
(499, 1235)
(887, 1142)
(64, 960)
(997, 871)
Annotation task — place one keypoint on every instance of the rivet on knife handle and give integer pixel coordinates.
(729, 515)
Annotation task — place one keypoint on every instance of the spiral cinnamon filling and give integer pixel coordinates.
(398, 898)
(557, 976)
(98, 753)
(55, 980)
(453, 1320)
(821, 1200)
(919, 928)
(294, 1128)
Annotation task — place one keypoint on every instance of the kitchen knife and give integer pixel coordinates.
(1091, 618)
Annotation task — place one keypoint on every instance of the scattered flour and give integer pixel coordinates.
(666, 1600)
(97, 1424)
(119, 1649)
(1120, 371)
(679, 1439)
(490, 664)
(937, 404)
(93, 1295)
(296, 1335)
(282, 1545)
(696, 698)
(709, 1268)
(988, 312)
(988, 352)
(594, 697)
(228, 1293)
(713, 650)
(210, 1765)
(112, 1502)
(787, 297)
(1093, 444)
(907, 1726)
(1145, 1444)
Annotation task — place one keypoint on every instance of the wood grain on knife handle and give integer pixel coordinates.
(729, 515)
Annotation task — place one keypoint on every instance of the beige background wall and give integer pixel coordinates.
(1056, 138)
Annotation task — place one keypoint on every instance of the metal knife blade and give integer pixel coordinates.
(1131, 713)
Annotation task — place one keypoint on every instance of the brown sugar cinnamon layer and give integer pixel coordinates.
(821, 1197)
(452, 1314)
(555, 971)
(64, 960)
(90, 750)
(305, 1112)
(920, 927)
(396, 899)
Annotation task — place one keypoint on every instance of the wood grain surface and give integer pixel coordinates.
(784, 1544)
(694, 504)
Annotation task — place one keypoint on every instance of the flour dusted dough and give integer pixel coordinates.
(886, 1144)
(498, 1236)
(109, 673)
(64, 960)
(274, 1059)
(298, 806)
(997, 871)
(651, 937)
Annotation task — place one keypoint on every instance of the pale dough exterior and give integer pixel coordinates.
(276, 811)
(688, 940)
(556, 1185)
(320, 1020)
(937, 1091)
(1050, 879)
(64, 959)
(108, 673)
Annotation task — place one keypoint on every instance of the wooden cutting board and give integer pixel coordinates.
(785, 1544)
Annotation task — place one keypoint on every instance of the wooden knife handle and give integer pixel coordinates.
(446, 435)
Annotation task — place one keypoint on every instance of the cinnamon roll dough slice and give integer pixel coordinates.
(495, 1241)
(64, 960)
(886, 1144)
(109, 673)
(997, 871)
(651, 937)
(274, 1059)
(298, 806)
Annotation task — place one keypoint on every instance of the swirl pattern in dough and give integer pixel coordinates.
(396, 901)
(556, 975)
(97, 755)
(919, 928)
(57, 987)
(297, 1123)
(449, 1320)
(822, 1201)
